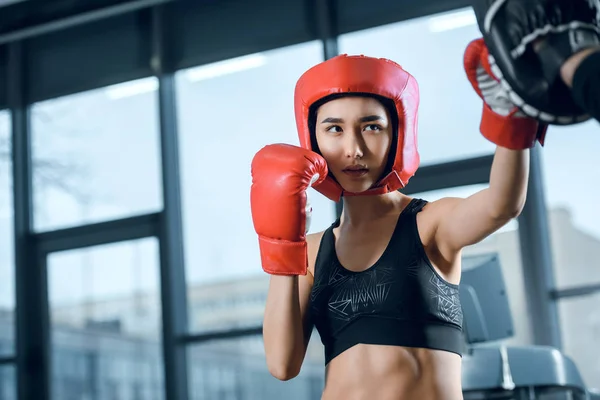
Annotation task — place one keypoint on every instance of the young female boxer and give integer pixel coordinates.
(381, 284)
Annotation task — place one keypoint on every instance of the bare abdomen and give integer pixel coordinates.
(393, 373)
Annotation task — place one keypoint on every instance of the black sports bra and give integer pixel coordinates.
(401, 300)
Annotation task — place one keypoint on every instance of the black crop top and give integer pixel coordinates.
(400, 300)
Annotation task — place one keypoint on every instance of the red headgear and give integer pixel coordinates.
(376, 76)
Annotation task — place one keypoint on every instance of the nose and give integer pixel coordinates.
(354, 145)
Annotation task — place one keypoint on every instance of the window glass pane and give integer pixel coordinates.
(106, 322)
(7, 276)
(228, 111)
(236, 369)
(96, 156)
(8, 383)
(505, 242)
(431, 49)
(570, 165)
(580, 323)
(230, 304)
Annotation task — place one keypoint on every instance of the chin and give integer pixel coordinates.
(356, 187)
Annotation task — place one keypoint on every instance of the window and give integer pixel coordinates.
(431, 49)
(96, 156)
(106, 319)
(580, 322)
(570, 165)
(236, 369)
(8, 383)
(504, 242)
(7, 276)
(228, 111)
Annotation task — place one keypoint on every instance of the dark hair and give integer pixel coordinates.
(387, 103)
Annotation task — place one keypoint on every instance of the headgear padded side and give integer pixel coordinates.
(361, 74)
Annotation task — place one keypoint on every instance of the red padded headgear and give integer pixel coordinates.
(376, 76)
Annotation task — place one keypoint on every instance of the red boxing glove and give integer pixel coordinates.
(281, 174)
(502, 122)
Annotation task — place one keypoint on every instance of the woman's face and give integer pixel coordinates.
(354, 135)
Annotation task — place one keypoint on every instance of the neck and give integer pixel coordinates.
(358, 210)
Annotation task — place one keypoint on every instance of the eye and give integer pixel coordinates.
(373, 127)
(333, 129)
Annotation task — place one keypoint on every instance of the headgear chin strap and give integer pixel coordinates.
(364, 75)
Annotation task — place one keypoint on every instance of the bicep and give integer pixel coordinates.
(464, 222)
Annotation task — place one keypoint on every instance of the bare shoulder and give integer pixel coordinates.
(313, 242)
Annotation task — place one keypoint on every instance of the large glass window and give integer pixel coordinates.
(227, 112)
(570, 165)
(431, 49)
(236, 369)
(505, 243)
(106, 322)
(7, 277)
(8, 383)
(96, 156)
(580, 322)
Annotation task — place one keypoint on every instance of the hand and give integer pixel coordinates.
(281, 174)
(567, 70)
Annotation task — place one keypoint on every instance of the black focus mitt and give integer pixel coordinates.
(528, 42)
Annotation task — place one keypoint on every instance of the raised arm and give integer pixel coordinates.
(463, 222)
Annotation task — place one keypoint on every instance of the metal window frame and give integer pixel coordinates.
(537, 259)
(576, 291)
(79, 19)
(464, 172)
(172, 263)
(98, 234)
(32, 346)
(8, 360)
(198, 338)
(32, 340)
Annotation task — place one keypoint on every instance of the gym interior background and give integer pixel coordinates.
(129, 267)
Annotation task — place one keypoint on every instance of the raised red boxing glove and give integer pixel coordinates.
(281, 174)
(502, 122)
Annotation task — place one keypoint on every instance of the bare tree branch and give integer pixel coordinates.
(64, 175)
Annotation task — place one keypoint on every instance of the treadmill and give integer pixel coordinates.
(493, 370)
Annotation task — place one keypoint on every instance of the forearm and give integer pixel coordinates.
(283, 330)
(567, 71)
(508, 181)
(582, 73)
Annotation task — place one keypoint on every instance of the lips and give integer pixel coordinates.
(355, 170)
